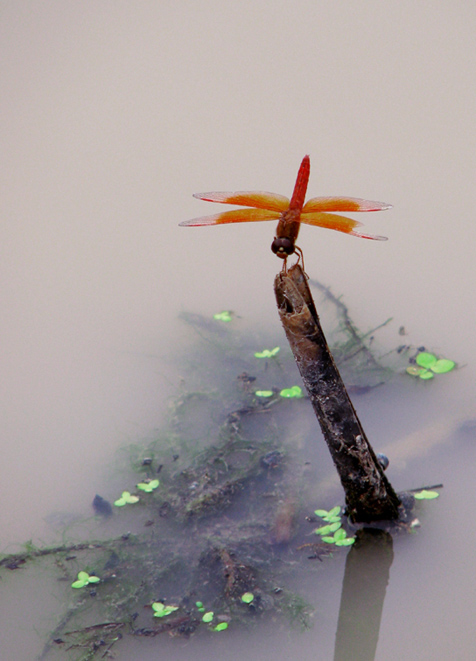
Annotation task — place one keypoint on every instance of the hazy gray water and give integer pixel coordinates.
(112, 116)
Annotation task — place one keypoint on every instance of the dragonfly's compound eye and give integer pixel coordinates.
(282, 247)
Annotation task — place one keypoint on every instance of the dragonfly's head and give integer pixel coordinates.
(282, 247)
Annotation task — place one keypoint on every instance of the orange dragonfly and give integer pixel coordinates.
(289, 213)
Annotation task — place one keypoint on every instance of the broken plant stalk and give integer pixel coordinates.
(369, 495)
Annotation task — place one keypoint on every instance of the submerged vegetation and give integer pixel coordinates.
(222, 503)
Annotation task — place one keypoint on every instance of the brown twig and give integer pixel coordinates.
(369, 495)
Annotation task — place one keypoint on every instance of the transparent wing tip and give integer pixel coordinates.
(213, 197)
(374, 237)
(198, 222)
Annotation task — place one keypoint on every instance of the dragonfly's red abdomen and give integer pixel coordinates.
(300, 187)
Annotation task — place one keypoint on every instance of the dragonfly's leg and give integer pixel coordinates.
(300, 257)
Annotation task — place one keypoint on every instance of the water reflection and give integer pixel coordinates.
(367, 572)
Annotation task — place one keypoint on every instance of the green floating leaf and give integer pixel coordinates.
(295, 391)
(247, 597)
(348, 541)
(267, 353)
(161, 610)
(149, 486)
(264, 393)
(331, 516)
(421, 372)
(425, 359)
(78, 584)
(84, 579)
(340, 541)
(208, 617)
(221, 627)
(199, 604)
(430, 365)
(339, 538)
(443, 365)
(334, 511)
(426, 375)
(225, 316)
(126, 499)
(321, 513)
(339, 535)
(426, 495)
(415, 371)
(325, 530)
(329, 540)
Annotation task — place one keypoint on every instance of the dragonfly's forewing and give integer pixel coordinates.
(235, 216)
(257, 199)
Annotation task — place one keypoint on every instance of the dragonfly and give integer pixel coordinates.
(289, 213)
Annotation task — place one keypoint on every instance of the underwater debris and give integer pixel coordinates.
(101, 506)
(224, 521)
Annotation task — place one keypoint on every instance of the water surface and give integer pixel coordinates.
(113, 116)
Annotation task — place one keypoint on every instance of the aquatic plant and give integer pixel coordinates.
(325, 530)
(222, 626)
(339, 538)
(148, 486)
(267, 353)
(85, 579)
(334, 525)
(126, 499)
(426, 495)
(293, 392)
(161, 610)
(264, 393)
(331, 516)
(427, 365)
(225, 316)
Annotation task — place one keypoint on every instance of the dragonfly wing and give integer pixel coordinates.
(343, 204)
(235, 216)
(257, 199)
(339, 223)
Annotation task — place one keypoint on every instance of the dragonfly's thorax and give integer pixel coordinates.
(286, 233)
(290, 216)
